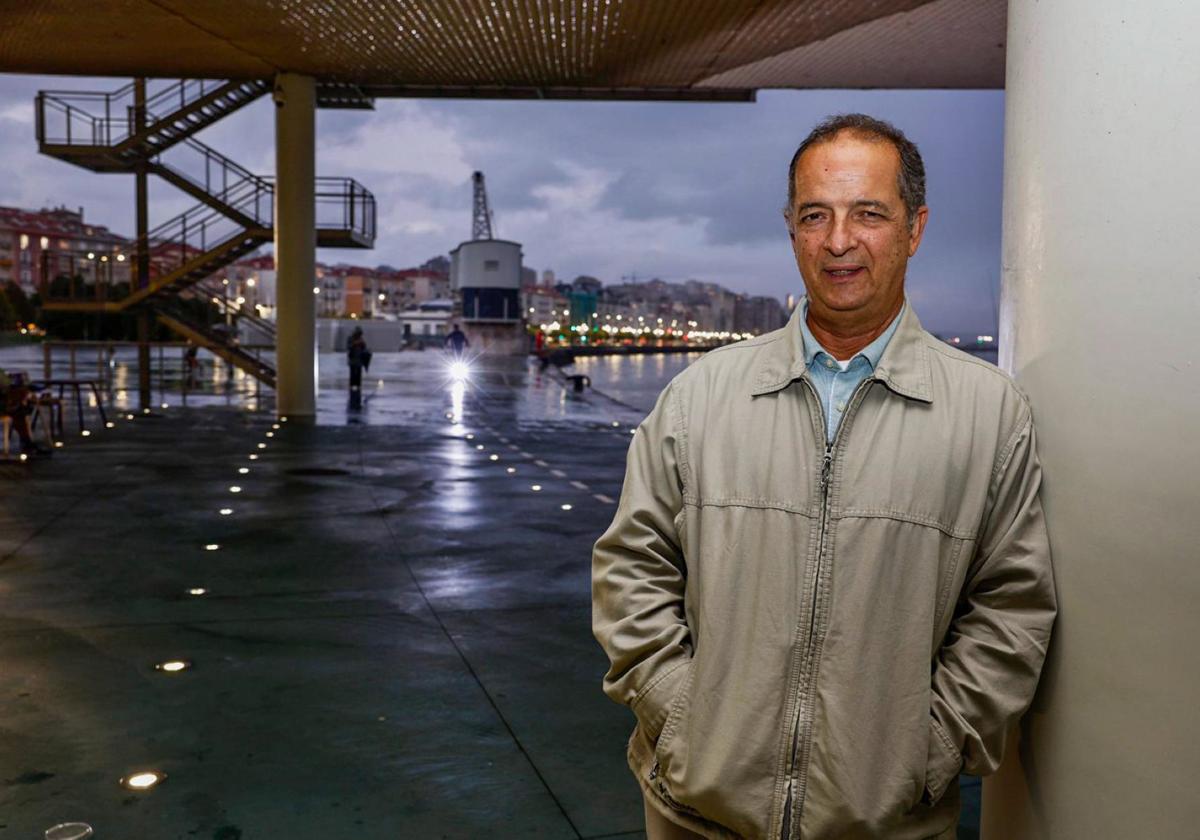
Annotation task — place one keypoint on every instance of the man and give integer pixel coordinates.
(358, 357)
(827, 588)
(456, 342)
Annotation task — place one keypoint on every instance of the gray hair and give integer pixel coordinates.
(912, 168)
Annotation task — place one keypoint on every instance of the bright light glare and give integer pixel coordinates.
(459, 371)
(143, 781)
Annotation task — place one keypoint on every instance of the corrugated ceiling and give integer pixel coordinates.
(534, 45)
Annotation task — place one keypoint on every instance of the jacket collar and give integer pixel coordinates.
(903, 368)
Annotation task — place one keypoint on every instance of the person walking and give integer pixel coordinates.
(456, 342)
(359, 359)
(827, 588)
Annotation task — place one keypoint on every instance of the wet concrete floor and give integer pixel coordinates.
(393, 641)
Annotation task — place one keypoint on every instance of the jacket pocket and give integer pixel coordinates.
(676, 711)
(656, 701)
(943, 763)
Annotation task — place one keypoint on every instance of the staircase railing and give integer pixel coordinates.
(209, 171)
(344, 204)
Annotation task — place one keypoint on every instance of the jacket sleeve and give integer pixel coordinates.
(987, 669)
(638, 574)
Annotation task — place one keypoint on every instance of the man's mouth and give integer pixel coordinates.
(843, 272)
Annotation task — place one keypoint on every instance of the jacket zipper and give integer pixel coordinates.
(826, 476)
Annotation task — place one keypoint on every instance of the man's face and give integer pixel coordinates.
(850, 230)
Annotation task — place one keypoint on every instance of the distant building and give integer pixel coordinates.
(38, 245)
(758, 314)
(548, 278)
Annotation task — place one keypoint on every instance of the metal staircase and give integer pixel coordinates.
(113, 132)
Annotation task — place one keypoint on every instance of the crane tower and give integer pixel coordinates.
(481, 220)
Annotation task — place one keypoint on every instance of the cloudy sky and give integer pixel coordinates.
(675, 191)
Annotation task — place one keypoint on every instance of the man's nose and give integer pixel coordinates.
(840, 238)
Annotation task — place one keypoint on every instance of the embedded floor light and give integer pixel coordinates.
(145, 411)
(536, 487)
(226, 511)
(109, 424)
(164, 405)
(211, 547)
(69, 831)
(143, 781)
(262, 446)
(86, 433)
(58, 444)
(479, 446)
(23, 457)
(253, 457)
(128, 416)
(282, 419)
(511, 470)
(493, 457)
(235, 489)
(616, 424)
(566, 507)
(197, 591)
(173, 666)
(270, 434)
(274, 425)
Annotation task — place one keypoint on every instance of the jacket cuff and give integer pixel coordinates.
(942, 764)
(653, 705)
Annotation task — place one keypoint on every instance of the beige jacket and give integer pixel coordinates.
(816, 640)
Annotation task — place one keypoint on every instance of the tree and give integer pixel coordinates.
(20, 303)
(8, 315)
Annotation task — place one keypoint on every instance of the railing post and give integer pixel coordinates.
(47, 364)
(72, 358)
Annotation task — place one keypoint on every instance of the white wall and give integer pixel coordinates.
(1101, 301)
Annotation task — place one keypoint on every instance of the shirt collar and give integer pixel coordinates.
(872, 352)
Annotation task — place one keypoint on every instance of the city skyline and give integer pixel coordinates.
(601, 189)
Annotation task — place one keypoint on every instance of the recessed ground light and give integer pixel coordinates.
(243, 470)
(262, 446)
(512, 470)
(145, 411)
(109, 424)
(566, 507)
(616, 424)
(23, 457)
(479, 446)
(86, 433)
(144, 780)
(173, 666)
(470, 436)
(58, 444)
(253, 457)
(128, 416)
(211, 547)
(282, 419)
(270, 434)
(633, 431)
(274, 425)
(197, 591)
(235, 489)
(494, 457)
(226, 511)
(69, 831)
(536, 487)
(164, 405)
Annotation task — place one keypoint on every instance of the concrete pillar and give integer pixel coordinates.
(1099, 315)
(295, 245)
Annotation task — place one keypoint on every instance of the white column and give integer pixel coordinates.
(1099, 317)
(295, 245)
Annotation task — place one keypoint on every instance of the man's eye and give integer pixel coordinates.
(812, 217)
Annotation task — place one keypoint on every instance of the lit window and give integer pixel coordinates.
(45, 242)
(24, 241)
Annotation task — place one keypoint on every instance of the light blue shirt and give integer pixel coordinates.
(836, 381)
